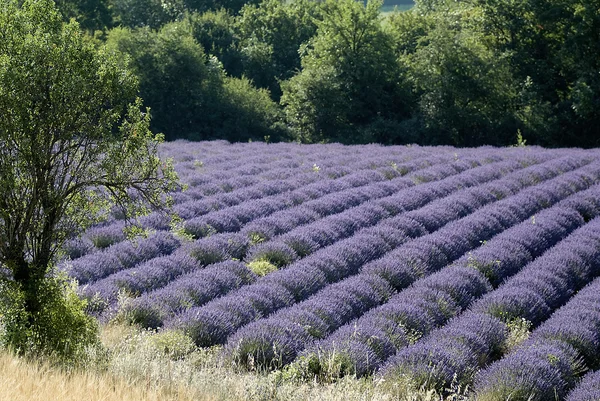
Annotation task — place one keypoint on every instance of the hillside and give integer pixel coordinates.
(430, 267)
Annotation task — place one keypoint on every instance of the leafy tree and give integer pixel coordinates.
(92, 15)
(466, 90)
(247, 113)
(215, 32)
(270, 35)
(349, 80)
(231, 6)
(146, 13)
(176, 79)
(72, 145)
(187, 91)
(553, 46)
(408, 31)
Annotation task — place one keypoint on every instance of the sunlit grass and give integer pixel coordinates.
(22, 380)
(141, 365)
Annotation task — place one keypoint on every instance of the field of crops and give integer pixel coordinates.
(434, 267)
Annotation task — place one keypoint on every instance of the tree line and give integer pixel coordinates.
(463, 73)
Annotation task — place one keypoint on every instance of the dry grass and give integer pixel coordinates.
(27, 381)
(145, 366)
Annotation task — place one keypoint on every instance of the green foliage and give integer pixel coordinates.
(276, 257)
(553, 49)
(521, 142)
(314, 105)
(60, 329)
(256, 238)
(178, 228)
(467, 95)
(350, 78)
(518, 331)
(92, 15)
(270, 36)
(172, 343)
(176, 79)
(322, 368)
(488, 269)
(73, 144)
(231, 6)
(146, 13)
(262, 267)
(155, 14)
(464, 73)
(408, 31)
(188, 92)
(249, 113)
(215, 32)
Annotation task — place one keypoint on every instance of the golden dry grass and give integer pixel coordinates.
(137, 369)
(21, 380)
(29, 381)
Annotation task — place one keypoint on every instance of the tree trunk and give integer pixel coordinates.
(30, 278)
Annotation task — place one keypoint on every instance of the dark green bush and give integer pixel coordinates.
(61, 329)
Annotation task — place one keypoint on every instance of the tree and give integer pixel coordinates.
(215, 32)
(467, 94)
(553, 47)
(247, 113)
(73, 144)
(270, 35)
(177, 80)
(350, 79)
(231, 6)
(146, 13)
(188, 92)
(92, 15)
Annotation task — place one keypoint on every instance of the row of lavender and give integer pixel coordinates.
(212, 181)
(408, 311)
(384, 259)
(479, 336)
(553, 358)
(247, 188)
(215, 321)
(302, 238)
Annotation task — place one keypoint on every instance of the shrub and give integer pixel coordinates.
(60, 330)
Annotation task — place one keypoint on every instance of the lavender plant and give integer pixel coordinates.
(588, 389)
(506, 304)
(428, 262)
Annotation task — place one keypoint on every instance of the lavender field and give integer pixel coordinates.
(431, 267)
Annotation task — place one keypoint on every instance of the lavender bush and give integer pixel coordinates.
(425, 264)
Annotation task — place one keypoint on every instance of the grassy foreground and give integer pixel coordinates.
(140, 365)
(29, 381)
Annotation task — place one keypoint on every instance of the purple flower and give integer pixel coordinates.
(432, 364)
(105, 236)
(269, 345)
(318, 316)
(190, 290)
(204, 226)
(451, 354)
(499, 258)
(588, 389)
(541, 371)
(464, 285)
(301, 280)
(509, 303)
(78, 247)
(280, 222)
